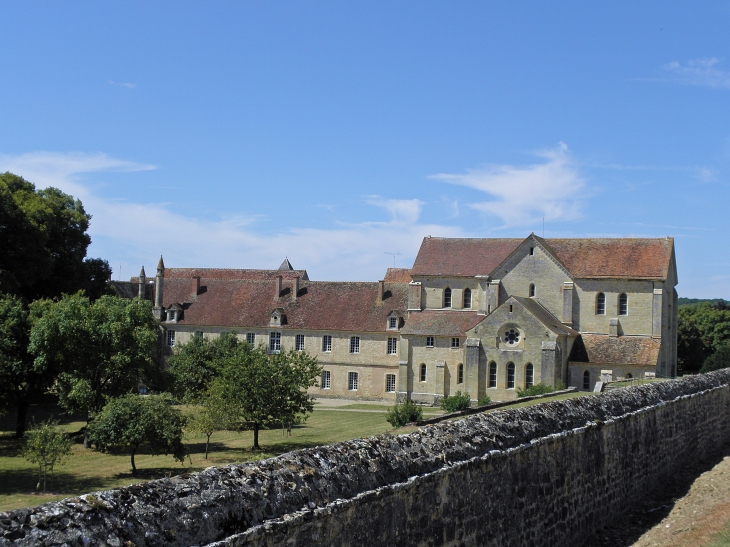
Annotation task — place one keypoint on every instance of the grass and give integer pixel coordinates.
(722, 539)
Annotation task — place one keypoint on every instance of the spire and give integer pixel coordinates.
(286, 265)
(141, 273)
(161, 267)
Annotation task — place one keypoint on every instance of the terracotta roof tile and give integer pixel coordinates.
(321, 305)
(604, 349)
(398, 275)
(231, 273)
(461, 256)
(441, 323)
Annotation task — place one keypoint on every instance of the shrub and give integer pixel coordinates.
(456, 402)
(484, 400)
(47, 446)
(404, 413)
(719, 359)
(534, 389)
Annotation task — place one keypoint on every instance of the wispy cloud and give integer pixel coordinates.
(128, 85)
(524, 194)
(134, 234)
(702, 72)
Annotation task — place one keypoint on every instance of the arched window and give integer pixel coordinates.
(510, 375)
(492, 374)
(600, 304)
(423, 372)
(623, 304)
(586, 380)
(529, 375)
(467, 298)
(532, 289)
(447, 297)
(460, 374)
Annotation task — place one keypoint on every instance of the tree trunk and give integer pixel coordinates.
(256, 437)
(22, 417)
(207, 442)
(134, 468)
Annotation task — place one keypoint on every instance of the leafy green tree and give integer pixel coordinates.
(703, 328)
(46, 446)
(456, 402)
(262, 390)
(404, 413)
(133, 421)
(194, 364)
(719, 359)
(96, 350)
(212, 416)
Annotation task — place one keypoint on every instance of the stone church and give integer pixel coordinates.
(482, 316)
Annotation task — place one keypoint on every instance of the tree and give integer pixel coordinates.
(404, 413)
(719, 359)
(131, 421)
(211, 417)
(96, 350)
(261, 389)
(194, 364)
(47, 446)
(44, 243)
(703, 328)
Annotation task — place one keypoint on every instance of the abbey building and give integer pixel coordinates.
(482, 316)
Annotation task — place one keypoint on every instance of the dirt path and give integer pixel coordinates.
(688, 511)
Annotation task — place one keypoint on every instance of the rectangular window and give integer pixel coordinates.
(392, 322)
(454, 342)
(355, 344)
(327, 343)
(170, 315)
(326, 380)
(299, 342)
(250, 338)
(392, 346)
(352, 381)
(390, 383)
(429, 341)
(275, 341)
(171, 338)
(492, 374)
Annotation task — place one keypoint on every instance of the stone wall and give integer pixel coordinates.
(543, 475)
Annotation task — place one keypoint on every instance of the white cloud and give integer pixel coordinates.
(522, 195)
(127, 85)
(130, 234)
(703, 72)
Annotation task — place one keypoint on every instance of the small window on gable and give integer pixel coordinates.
(467, 298)
(623, 304)
(510, 308)
(532, 290)
(532, 251)
(447, 297)
(601, 304)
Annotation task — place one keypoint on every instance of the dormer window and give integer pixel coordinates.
(447, 297)
(393, 321)
(171, 315)
(278, 318)
(174, 313)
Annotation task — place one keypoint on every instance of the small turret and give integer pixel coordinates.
(142, 283)
(159, 290)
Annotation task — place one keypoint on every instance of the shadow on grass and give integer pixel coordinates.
(24, 481)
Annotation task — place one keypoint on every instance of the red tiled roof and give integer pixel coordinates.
(398, 275)
(460, 256)
(231, 273)
(321, 305)
(441, 323)
(604, 349)
(583, 257)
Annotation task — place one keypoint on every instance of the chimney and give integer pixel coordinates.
(278, 287)
(295, 287)
(381, 290)
(196, 285)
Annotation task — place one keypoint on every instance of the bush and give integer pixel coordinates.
(456, 402)
(534, 389)
(404, 413)
(484, 400)
(47, 446)
(719, 359)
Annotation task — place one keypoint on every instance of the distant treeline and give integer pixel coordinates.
(717, 302)
(704, 334)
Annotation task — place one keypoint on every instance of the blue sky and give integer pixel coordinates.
(233, 134)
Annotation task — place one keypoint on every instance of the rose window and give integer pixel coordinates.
(511, 337)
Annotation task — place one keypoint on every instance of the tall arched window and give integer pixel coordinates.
(460, 374)
(532, 289)
(510, 375)
(423, 372)
(467, 298)
(586, 380)
(623, 304)
(529, 375)
(600, 304)
(447, 297)
(492, 374)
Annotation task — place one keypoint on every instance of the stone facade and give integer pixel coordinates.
(481, 316)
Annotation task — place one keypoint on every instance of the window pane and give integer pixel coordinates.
(251, 338)
(623, 305)
(460, 375)
(600, 304)
(355, 344)
(528, 375)
(299, 342)
(352, 381)
(392, 346)
(429, 341)
(326, 380)
(171, 338)
(327, 343)
(447, 298)
(510, 376)
(390, 383)
(467, 298)
(423, 372)
(493, 374)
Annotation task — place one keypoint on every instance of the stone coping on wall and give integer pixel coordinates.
(490, 406)
(208, 506)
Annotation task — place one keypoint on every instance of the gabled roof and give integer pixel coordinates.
(321, 305)
(634, 258)
(542, 314)
(398, 275)
(230, 273)
(441, 323)
(609, 350)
